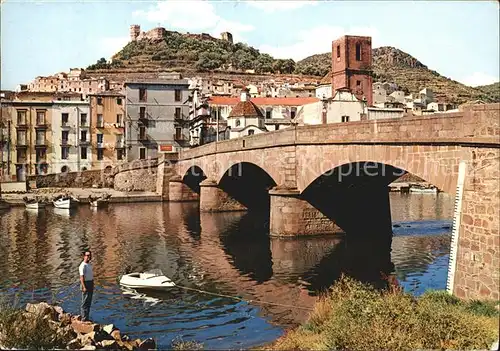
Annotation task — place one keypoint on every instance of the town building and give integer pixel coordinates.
(245, 118)
(157, 116)
(70, 130)
(107, 129)
(352, 66)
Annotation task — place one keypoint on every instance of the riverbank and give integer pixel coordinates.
(42, 326)
(82, 194)
(354, 316)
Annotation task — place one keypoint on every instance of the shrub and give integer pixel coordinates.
(357, 317)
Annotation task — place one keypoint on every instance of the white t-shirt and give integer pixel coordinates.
(86, 270)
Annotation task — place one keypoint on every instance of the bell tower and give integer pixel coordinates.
(352, 66)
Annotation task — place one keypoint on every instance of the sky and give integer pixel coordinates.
(460, 40)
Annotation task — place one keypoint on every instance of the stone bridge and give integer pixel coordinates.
(333, 178)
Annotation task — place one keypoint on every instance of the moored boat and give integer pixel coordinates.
(65, 202)
(424, 190)
(33, 204)
(154, 280)
(4, 205)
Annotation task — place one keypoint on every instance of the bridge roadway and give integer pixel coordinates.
(333, 178)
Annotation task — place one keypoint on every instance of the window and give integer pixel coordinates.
(345, 118)
(118, 101)
(237, 123)
(64, 152)
(142, 153)
(100, 154)
(99, 100)
(83, 135)
(40, 155)
(178, 133)
(119, 119)
(100, 138)
(21, 156)
(64, 137)
(64, 119)
(21, 137)
(338, 51)
(178, 95)
(120, 154)
(40, 117)
(21, 117)
(269, 113)
(83, 119)
(358, 83)
(276, 127)
(251, 132)
(293, 112)
(358, 52)
(40, 137)
(177, 113)
(64, 169)
(142, 112)
(142, 94)
(83, 153)
(142, 133)
(100, 121)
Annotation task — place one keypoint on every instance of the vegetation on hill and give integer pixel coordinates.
(354, 316)
(493, 90)
(182, 50)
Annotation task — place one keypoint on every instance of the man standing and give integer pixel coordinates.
(87, 284)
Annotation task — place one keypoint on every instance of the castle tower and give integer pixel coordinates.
(135, 30)
(227, 37)
(352, 66)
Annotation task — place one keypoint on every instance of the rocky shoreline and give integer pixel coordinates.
(78, 334)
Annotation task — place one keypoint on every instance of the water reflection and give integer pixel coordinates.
(228, 253)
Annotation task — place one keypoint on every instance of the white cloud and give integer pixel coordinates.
(480, 78)
(282, 5)
(317, 40)
(108, 46)
(192, 16)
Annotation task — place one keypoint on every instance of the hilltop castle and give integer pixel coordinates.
(158, 33)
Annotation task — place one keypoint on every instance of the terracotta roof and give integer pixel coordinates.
(327, 79)
(246, 109)
(264, 101)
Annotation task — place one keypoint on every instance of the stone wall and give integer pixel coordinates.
(84, 179)
(136, 180)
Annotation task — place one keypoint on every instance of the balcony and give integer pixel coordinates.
(41, 124)
(21, 160)
(41, 143)
(84, 141)
(84, 124)
(65, 142)
(21, 144)
(180, 137)
(21, 125)
(65, 125)
(100, 145)
(120, 144)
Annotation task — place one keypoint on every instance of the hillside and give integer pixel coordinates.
(492, 89)
(195, 54)
(395, 66)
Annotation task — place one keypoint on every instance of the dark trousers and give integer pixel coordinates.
(87, 298)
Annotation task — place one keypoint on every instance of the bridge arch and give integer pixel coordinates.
(193, 176)
(247, 183)
(434, 163)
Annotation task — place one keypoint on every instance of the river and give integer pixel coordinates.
(224, 253)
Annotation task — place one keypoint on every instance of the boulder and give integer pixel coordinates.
(108, 344)
(148, 344)
(116, 334)
(74, 344)
(99, 336)
(65, 319)
(42, 309)
(126, 345)
(108, 328)
(84, 327)
(89, 347)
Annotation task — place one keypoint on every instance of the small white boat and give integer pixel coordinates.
(65, 202)
(147, 280)
(424, 190)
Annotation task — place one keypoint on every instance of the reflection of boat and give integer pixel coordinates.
(4, 205)
(148, 280)
(134, 294)
(100, 201)
(65, 212)
(424, 190)
(65, 202)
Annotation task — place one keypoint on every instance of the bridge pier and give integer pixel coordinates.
(180, 192)
(290, 215)
(214, 199)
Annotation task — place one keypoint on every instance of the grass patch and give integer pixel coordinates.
(354, 316)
